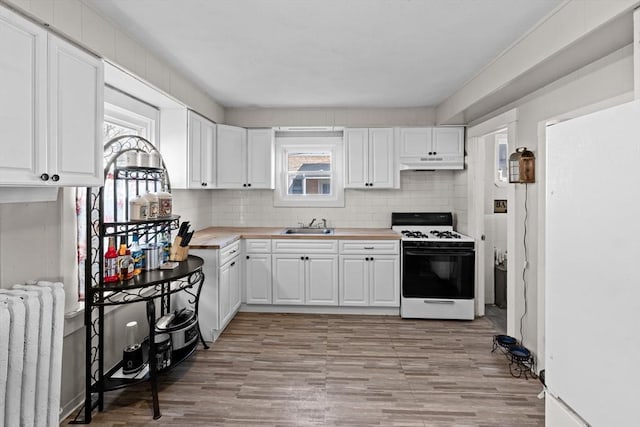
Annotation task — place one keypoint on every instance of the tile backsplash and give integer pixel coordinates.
(420, 191)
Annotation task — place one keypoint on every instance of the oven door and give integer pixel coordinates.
(438, 273)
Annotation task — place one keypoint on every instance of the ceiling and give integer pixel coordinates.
(326, 53)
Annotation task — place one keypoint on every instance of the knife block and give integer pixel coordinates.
(178, 253)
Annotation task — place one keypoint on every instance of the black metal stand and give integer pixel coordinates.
(148, 286)
(521, 361)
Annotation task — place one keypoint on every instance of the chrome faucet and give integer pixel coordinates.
(311, 223)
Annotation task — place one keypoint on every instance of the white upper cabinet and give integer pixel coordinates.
(50, 108)
(260, 158)
(201, 148)
(431, 148)
(76, 92)
(370, 158)
(232, 154)
(245, 157)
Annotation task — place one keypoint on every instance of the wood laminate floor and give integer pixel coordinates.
(327, 370)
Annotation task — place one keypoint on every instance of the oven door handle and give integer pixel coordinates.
(463, 252)
(439, 301)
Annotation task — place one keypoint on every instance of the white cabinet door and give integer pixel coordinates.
(235, 293)
(209, 304)
(321, 280)
(384, 281)
(201, 147)
(76, 92)
(258, 278)
(231, 158)
(415, 142)
(381, 158)
(356, 153)
(288, 279)
(23, 74)
(354, 280)
(225, 292)
(260, 158)
(448, 141)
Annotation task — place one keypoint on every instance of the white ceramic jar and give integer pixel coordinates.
(153, 205)
(138, 209)
(165, 204)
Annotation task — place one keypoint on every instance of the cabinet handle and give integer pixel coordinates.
(371, 259)
(55, 178)
(247, 256)
(232, 264)
(371, 184)
(249, 185)
(44, 177)
(307, 258)
(233, 252)
(369, 247)
(244, 185)
(366, 259)
(302, 258)
(204, 184)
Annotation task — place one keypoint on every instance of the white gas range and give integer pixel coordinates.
(438, 267)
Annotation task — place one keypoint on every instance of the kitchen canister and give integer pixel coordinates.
(152, 255)
(138, 209)
(144, 159)
(128, 159)
(165, 204)
(152, 199)
(155, 160)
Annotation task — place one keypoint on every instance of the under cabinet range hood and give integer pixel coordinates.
(431, 163)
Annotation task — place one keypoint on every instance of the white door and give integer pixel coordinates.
(225, 301)
(258, 278)
(356, 151)
(260, 158)
(23, 107)
(201, 149)
(209, 304)
(232, 157)
(321, 280)
(385, 281)
(354, 280)
(381, 158)
(288, 279)
(235, 294)
(415, 142)
(76, 92)
(448, 141)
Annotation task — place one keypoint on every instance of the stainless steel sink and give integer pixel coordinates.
(311, 231)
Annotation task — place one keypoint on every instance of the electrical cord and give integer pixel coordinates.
(526, 261)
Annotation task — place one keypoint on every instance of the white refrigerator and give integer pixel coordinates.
(592, 256)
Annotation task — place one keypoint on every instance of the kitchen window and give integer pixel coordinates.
(123, 115)
(309, 170)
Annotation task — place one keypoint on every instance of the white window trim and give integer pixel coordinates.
(332, 144)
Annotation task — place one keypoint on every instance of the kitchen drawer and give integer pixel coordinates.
(306, 246)
(370, 247)
(257, 246)
(229, 252)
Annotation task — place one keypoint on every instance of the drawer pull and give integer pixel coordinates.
(369, 247)
(232, 264)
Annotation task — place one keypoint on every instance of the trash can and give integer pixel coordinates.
(500, 284)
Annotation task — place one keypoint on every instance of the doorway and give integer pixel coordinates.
(496, 181)
(492, 219)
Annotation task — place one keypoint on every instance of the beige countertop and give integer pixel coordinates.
(219, 237)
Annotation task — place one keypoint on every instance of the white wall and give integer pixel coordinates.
(421, 191)
(350, 117)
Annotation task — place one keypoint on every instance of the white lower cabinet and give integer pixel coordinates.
(288, 279)
(221, 294)
(321, 280)
(370, 273)
(258, 278)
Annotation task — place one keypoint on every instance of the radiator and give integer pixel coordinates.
(31, 333)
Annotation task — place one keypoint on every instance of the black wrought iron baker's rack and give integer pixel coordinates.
(107, 213)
